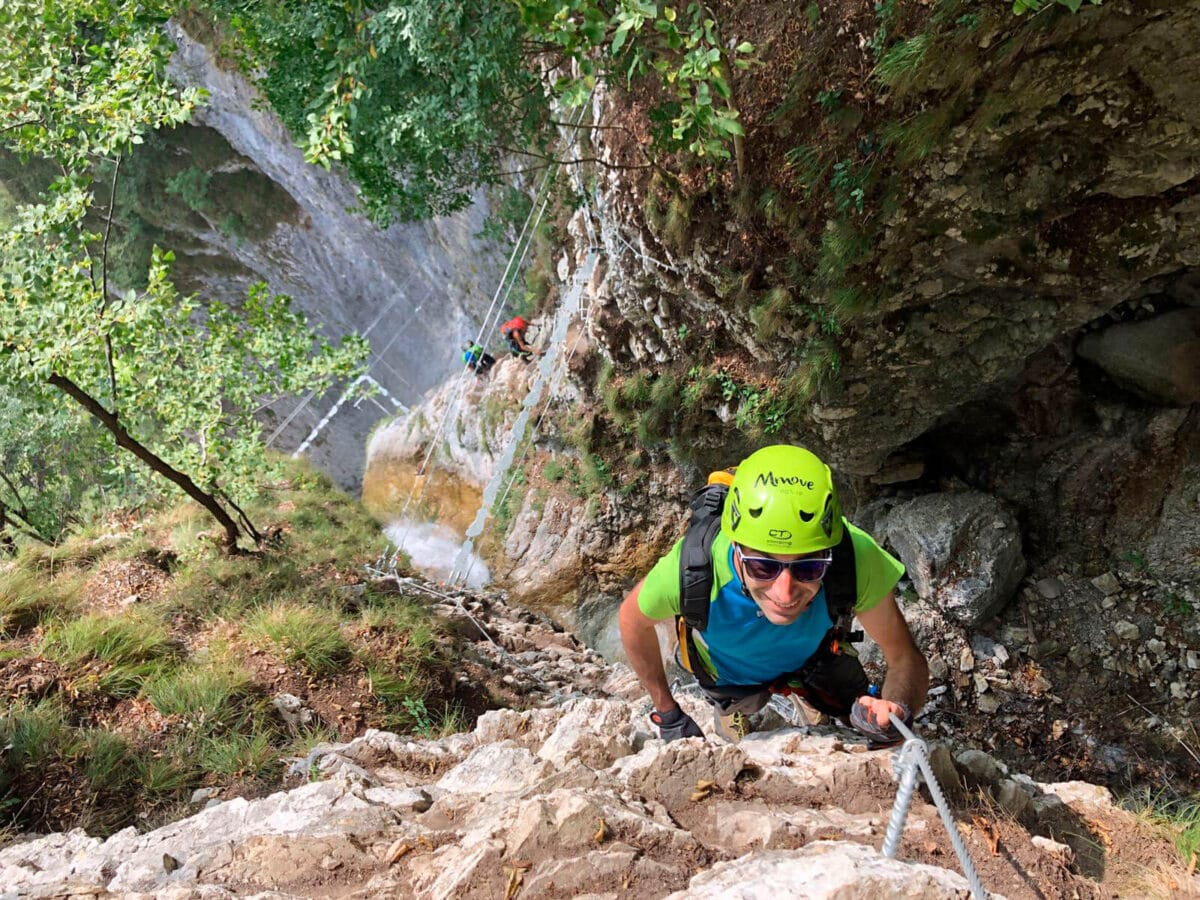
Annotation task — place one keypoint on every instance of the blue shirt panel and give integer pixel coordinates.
(745, 648)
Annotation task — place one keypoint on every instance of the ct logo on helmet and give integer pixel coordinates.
(781, 534)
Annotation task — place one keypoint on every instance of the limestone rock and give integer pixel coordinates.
(962, 551)
(1159, 357)
(825, 869)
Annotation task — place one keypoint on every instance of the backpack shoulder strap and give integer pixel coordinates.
(695, 555)
(841, 585)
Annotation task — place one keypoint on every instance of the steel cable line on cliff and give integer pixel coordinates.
(491, 319)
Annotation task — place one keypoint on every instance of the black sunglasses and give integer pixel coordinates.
(763, 568)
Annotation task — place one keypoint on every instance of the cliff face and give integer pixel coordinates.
(1055, 196)
(1050, 205)
(231, 195)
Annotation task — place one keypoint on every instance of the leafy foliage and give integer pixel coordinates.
(1020, 7)
(417, 100)
(636, 38)
(174, 380)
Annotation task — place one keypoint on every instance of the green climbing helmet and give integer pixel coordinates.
(782, 500)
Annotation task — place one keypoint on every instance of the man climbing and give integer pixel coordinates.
(477, 359)
(514, 332)
(762, 598)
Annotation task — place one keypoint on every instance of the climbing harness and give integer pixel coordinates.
(913, 760)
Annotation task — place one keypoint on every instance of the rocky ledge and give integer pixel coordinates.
(579, 798)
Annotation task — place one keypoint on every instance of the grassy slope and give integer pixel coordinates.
(138, 663)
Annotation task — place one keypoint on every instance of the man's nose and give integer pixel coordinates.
(784, 586)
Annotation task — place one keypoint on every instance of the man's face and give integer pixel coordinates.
(783, 599)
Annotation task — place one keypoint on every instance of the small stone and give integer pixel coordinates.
(330, 863)
(1106, 583)
(1058, 728)
(966, 660)
(1193, 659)
(942, 763)
(202, 795)
(979, 766)
(1127, 631)
(1079, 655)
(169, 863)
(981, 684)
(1001, 654)
(1157, 647)
(1012, 797)
(1108, 602)
(1050, 588)
(988, 703)
(1179, 690)
(1053, 848)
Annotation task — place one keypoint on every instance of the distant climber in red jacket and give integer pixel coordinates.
(514, 332)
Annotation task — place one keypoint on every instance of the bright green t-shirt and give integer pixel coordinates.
(877, 572)
(740, 646)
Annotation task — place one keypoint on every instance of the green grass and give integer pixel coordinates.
(203, 694)
(135, 648)
(26, 599)
(219, 730)
(842, 245)
(1179, 817)
(899, 65)
(237, 754)
(773, 313)
(301, 635)
(29, 733)
(917, 137)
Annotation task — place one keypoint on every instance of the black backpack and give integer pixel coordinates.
(696, 583)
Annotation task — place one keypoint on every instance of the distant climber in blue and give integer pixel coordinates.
(477, 359)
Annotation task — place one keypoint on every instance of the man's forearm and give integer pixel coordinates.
(640, 640)
(907, 682)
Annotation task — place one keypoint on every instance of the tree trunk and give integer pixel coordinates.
(158, 464)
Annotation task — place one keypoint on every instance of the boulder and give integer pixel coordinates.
(1159, 357)
(826, 869)
(962, 551)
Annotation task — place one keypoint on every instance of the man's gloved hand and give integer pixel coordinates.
(675, 724)
(872, 716)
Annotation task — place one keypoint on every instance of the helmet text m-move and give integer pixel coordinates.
(770, 479)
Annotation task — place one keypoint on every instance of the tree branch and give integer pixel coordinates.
(15, 125)
(125, 440)
(22, 509)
